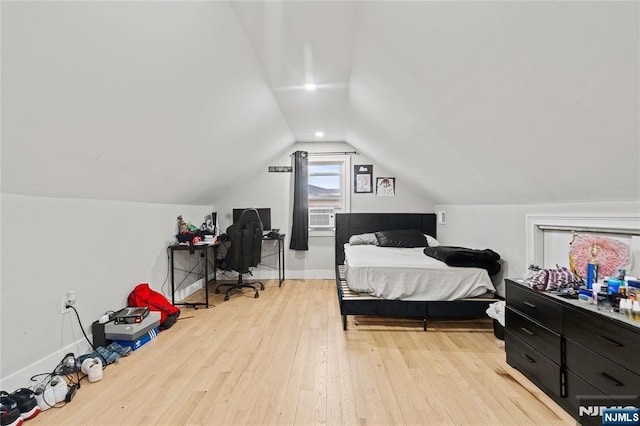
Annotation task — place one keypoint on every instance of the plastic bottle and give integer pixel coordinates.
(636, 310)
(629, 312)
(604, 300)
(592, 268)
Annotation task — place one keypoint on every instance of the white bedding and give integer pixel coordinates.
(409, 274)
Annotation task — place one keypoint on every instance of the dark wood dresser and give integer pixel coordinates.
(577, 355)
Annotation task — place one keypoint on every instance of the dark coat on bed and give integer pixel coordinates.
(466, 257)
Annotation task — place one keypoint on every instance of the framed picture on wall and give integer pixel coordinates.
(363, 178)
(385, 186)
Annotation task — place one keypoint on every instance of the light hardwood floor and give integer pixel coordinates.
(284, 359)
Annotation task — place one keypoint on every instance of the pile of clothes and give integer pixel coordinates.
(108, 354)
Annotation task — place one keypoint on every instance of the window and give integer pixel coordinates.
(328, 190)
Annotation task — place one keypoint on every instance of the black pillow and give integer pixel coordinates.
(402, 238)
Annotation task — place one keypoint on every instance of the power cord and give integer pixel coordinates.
(44, 383)
(104, 361)
(81, 326)
(66, 367)
(166, 277)
(69, 361)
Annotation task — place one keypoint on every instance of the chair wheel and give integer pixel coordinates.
(226, 298)
(257, 295)
(261, 286)
(216, 291)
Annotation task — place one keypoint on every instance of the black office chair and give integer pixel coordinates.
(245, 251)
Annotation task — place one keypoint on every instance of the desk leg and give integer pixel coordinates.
(206, 276)
(280, 262)
(173, 290)
(214, 250)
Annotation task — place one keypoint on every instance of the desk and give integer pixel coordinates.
(204, 249)
(280, 253)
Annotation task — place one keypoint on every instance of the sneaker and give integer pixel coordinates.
(92, 367)
(59, 386)
(9, 411)
(27, 404)
(45, 396)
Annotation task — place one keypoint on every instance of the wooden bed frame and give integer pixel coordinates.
(354, 303)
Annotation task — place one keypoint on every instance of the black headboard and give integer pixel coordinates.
(348, 224)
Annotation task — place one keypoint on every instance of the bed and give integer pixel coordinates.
(366, 287)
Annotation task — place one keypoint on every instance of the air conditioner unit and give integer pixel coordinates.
(321, 218)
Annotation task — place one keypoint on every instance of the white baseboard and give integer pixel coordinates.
(187, 291)
(21, 378)
(268, 274)
(317, 274)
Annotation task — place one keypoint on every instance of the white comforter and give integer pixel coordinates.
(409, 274)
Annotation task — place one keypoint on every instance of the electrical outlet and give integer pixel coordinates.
(64, 310)
(68, 299)
(71, 297)
(442, 217)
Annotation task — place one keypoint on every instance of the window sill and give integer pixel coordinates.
(322, 232)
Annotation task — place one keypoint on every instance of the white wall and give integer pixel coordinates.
(100, 249)
(274, 190)
(502, 227)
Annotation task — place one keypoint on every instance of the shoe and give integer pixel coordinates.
(67, 366)
(45, 396)
(27, 404)
(92, 367)
(59, 386)
(9, 411)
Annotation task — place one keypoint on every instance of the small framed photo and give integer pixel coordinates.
(385, 186)
(363, 178)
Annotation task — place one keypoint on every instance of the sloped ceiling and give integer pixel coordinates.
(501, 102)
(472, 102)
(140, 101)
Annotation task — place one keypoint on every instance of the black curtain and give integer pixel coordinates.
(300, 227)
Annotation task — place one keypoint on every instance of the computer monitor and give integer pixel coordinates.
(211, 222)
(214, 222)
(265, 217)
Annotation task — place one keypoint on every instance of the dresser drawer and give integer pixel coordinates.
(533, 334)
(608, 377)
(603, 336)
(538, 368)
(534, 305)
(580, 393)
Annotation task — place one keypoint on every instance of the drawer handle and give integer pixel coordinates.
(613, 342)
(527, 331)
(615, 382)
(531, 360)
(531, 305)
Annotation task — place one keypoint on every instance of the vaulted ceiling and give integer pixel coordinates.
(472, 102)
